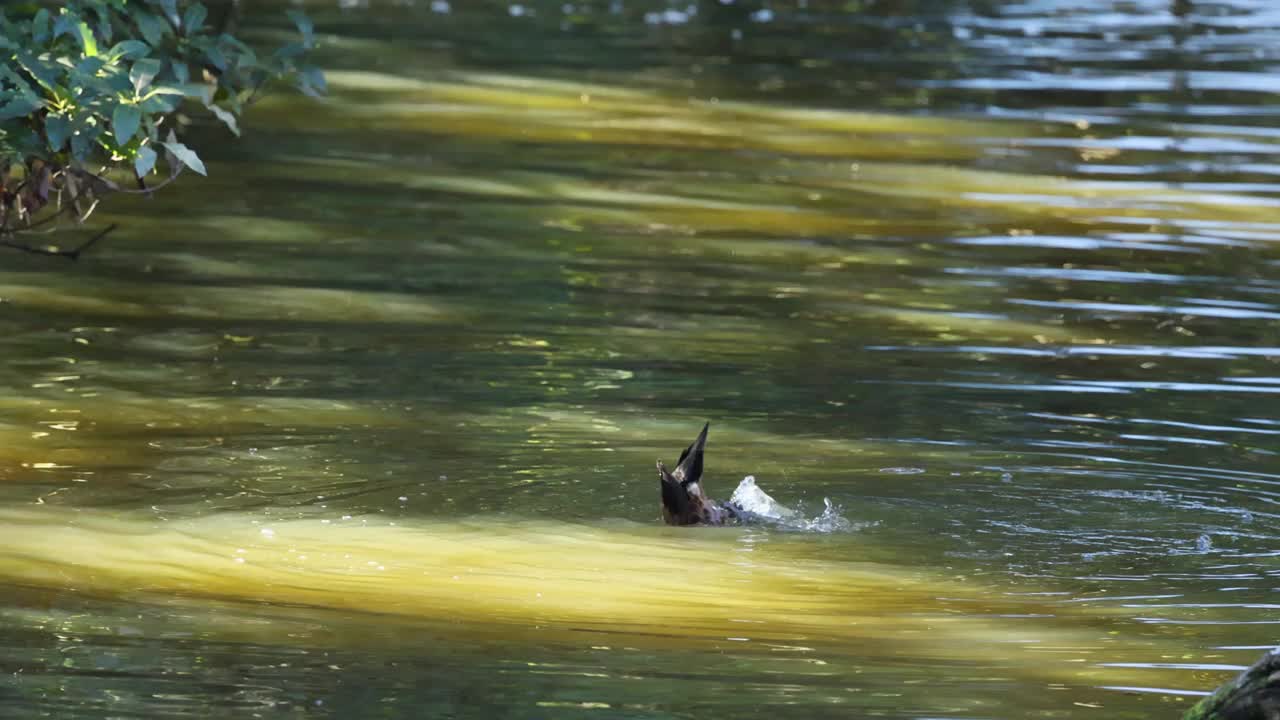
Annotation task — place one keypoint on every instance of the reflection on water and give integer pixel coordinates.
(364, 425)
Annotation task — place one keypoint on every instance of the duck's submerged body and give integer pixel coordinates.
(683, 502)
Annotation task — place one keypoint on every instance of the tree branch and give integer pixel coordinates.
(72, 253)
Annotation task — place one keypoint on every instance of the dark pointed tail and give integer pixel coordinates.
(689, 468)
(682, 498)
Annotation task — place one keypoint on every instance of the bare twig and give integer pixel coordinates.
(83, 187)
(72, 253)
(146, 190)
(85, 190)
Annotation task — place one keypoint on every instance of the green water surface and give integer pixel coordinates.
(998, 279)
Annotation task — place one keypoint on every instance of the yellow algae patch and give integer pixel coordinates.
(111, 427)
(99, 296)
(129, 408)
(812, 198)
(1043, 195)
(974, 327)
(679, 210)
(21, 453)
(119, 408)
(657, 586)
(480, 105)
(257, 230)
(481, 571)
(855, 121)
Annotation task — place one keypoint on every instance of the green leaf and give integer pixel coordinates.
(87, 41)
(21, 86)
(104, 24)
(311, 81)
(89, 67)
(198, 91)
(167, 90)
(193, 18)
(304, 26)
(315, 77)
(246, 59)
(57, 128)
(44, 73)
(143, 72)
(227, 117)
(115, 79)
(291, 50)
(231, 40)
(153, 29)
(170, 8)
(40, 26)
(159, 103)
(82, 143)
(70, 93)
(144, 161)
(124, 123)
(23, 142)
(215, 57)
(128, 50)
(65, 24)
(185, 155)
(18, 108)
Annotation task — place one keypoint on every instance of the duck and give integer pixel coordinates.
(683, 500)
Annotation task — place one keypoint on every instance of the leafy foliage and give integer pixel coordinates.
(92, 91)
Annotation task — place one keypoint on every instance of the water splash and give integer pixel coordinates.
(757, 506)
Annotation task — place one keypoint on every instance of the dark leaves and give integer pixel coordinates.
(88, 85)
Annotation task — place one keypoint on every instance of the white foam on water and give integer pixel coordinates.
(755, 505)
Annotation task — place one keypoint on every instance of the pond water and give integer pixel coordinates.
(364, 424)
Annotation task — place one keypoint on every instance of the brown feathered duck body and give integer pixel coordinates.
(683, 501)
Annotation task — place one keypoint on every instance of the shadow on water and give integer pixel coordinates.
(997, 279)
